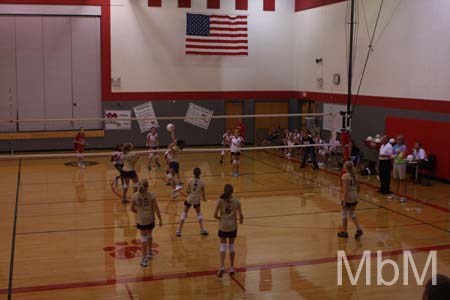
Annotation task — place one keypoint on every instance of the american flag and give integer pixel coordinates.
(216, 34)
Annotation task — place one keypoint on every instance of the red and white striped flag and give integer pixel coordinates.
(216, 34)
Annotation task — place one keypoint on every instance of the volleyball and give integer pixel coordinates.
(378, 140)
(410, 158)
(170, 127)
(391, 141)
(378, 136)
(369, 139)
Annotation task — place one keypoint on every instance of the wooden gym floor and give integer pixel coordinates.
(75, 240)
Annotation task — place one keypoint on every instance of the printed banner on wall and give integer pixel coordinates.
(146, 115)
(114, 121)
(198, 116)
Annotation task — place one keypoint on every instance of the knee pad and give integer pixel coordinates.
(235, 161)
(222, 153)
(199, 216)
(150, 156)
(352, 215)
(144, 238)
(169, 176)
(125, 186)
(150, 235)
(223, 247)
(344, 214)
(231, 248)
(183, 216)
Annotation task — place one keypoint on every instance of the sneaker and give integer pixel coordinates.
(178, 233)
(150, 254)
(342, 234)
(203, 232)
(358, 234)
(144, 262)
(392, 196)
(403, 200)
(125, 201)
(238, 174)
(178, 187)
(232, 271)
(83, 166)
(158, 164)
(174, 195)
(221, 272)
(149, 168)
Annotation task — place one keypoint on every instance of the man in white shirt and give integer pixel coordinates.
(384, 166)
(419, 153)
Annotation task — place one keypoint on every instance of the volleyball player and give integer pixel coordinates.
(174, 166)
(129, 170)
(236, 143)
(145, 206)
(226, 137)
(117, 160)
(153, 144)
(351, 190)
(227, 210)
(195, 193)
(79, 143)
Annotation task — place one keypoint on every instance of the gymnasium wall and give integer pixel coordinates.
(409, 58)
(147, 46)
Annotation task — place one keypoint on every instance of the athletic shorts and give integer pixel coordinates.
(174, 166)
(399, 171)
(236, 153)
(119, 168)
(349, 204)
(129, 174)
(188, 205)
(227, 234)
(145, 227)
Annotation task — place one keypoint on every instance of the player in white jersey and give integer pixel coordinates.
(195, 193)
(145, 207)
(153, 144)
(236, 143)
(226, 137)
(129, 170)
(117, 160)
(174, 166)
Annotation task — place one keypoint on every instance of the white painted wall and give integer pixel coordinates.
(411, 49)
(148, 49)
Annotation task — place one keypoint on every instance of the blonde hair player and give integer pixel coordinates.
(236, 143)
(153, 144)
(145, 206)
(226, 212)
(174, 166)
(351, 190)
(226, 137)
(129, 170)
(195, 193)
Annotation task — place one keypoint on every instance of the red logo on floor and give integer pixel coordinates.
(125, 250)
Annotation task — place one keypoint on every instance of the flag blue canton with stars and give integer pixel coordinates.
(197, 24)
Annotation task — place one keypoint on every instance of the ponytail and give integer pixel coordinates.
(143, 186)
(227, 192)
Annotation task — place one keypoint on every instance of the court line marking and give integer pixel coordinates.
(377, 204)
(130, 294)
(444, 209)
(205, 273)
(13, 241)
(238, 283)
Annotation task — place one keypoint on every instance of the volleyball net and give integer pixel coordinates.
(201, 131)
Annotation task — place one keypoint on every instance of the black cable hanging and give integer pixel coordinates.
(369, 51)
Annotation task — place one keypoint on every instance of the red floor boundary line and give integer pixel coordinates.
(367, 184)
(238, 283)
(184, 275)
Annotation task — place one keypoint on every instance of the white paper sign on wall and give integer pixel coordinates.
(198, 116)
(114, 121)
(146, 116)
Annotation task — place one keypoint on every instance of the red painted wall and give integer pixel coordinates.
(430, 134)
(308, 4)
